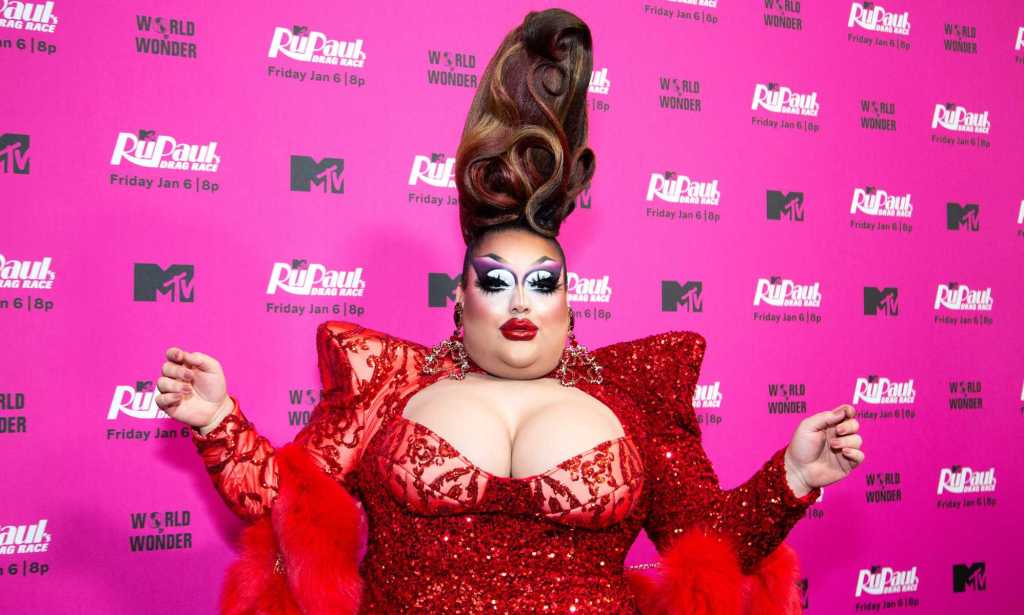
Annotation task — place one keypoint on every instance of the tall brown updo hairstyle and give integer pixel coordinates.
(523, 157)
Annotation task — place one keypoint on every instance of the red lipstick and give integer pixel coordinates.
(518, 329)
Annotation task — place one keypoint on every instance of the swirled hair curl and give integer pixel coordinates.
(523, 157)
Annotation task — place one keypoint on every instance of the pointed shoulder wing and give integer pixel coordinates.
(659, 373)
(358, 364)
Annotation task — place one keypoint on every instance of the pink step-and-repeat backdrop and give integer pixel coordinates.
(830, 192)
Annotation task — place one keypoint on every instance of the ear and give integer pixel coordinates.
(458, 293)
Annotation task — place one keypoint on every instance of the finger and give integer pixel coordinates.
(200, 361)
(174, 354)
(169, 385)
(179, 372)
(828, 418)
(847, 427)
(854, 454)
(850, 441)
(167, 401)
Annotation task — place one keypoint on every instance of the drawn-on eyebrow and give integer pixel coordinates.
(501, 260)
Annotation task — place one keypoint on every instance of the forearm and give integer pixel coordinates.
(756, 515)
(240, 462)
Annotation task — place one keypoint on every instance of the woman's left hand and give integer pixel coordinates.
(824, 449)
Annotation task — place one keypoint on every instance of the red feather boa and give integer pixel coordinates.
(314, 525)
(315, 528)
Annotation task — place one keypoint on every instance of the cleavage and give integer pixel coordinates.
(513, 429)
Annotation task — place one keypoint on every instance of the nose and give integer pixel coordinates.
(519, 303)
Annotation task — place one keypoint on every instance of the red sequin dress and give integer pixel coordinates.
(445, 536)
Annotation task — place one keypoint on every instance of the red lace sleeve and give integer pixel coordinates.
(660, 372)
(241, 462)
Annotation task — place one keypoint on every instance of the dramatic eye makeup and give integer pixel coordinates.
(493, 274)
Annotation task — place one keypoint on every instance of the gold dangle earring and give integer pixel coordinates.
(575, 354)
(453, 346)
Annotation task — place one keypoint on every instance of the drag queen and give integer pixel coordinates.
(507, 468)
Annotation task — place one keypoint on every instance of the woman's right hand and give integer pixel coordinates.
(193, 389)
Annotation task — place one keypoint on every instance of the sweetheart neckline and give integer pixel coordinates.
(513, 479)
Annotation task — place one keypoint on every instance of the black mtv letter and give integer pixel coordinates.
(790, 205)
(972, 576)
(441, 288)
(881, 301)
(962, 216)
(14, 153)
(326, 174)
(175, 282)
(689, 296)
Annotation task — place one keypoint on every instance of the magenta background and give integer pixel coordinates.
(67, 362)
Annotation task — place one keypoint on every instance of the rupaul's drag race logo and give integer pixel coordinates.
(588, 290)
(147, 149)
(436, 170)
(707, 395)
(300, 277)
(882, 580)
(305, 45)
(878, 390)
(599, 82)
(783, 292)
(873, 17)
(955, 296)
(875, 201)
(676, 188)
(781, 99)
(138, 402)
(32, 538)
(26, 274)
(28, 16)
(962, 479)
(958, 119)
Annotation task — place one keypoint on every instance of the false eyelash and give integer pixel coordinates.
(489, 289)
(548, 289)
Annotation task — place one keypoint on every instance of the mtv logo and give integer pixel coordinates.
(441, 288)
(584, 200)
(969, 577)
(881, 301)
(962, 216)
(14, 155)
(689, 295)
(174, 284)
(326, 174)
(788, 205)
